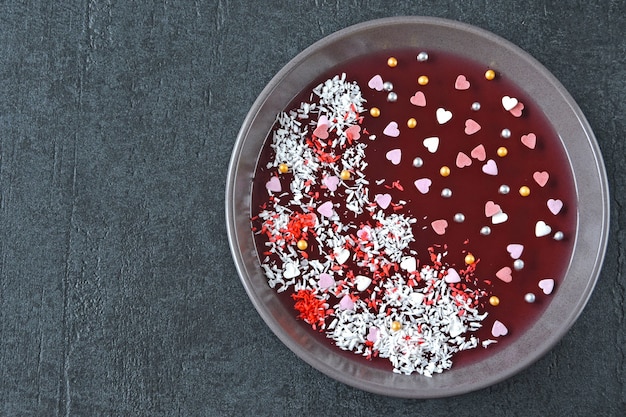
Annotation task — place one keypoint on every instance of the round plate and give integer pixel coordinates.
(552, 98)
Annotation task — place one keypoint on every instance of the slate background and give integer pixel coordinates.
(118, 295)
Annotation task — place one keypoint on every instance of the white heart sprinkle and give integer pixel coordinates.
(409, 264)
(341, 255)
(443, 115)
(499, 217)
(542, 229)
(362, 282)
(291, 271)
(456, 327)
(432, 144)
(508, 102)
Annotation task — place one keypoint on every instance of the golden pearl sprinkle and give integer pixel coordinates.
(302, 245)
(422, 80)
(392, 61)
(444, 171)
(502, 151)
(494, 301)
(283, 168)
(345, 175)
(469, 259)
(411, 123)
(490, 75)
(396, 325)
(524, 191)
(375, 111)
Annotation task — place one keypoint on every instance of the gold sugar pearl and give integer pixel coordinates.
(422, 80)
(283, 168)
(302, 244)
(524, 191)
(494, 301)
(444, 171)
(375, 111)
(396, 325)
(345, 175)
(502, 151)
(411, 123)
(392, 62)
(490, 75)
(469, 259)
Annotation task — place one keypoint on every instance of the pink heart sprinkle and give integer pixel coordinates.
(492, 208)
(515, 250)
(505, 274)
(479, 153)
(321, 131)
(364, 233)
(423, 185)
(331, 182)
(499, 329)
(273, 185)
(452, 276)
(376, 83)
(392, 130)
(439, 226)
(530, 140)
(346, 303)
(546, 285)
(325, 281)
(383, 200)
(461, 83)
(372, 335)
(541, 177)
(394, 156)
(490, 168)
(353, 132)
(555, 206)
(517, 110)
(471, 127)
(326, 209)
(418, 99)
(463, 160)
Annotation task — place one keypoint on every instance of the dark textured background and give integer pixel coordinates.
(118, 295)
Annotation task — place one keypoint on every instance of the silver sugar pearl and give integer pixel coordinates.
(418, 162)
(459, 217)
(485, 231)
(529, 297)
(392, 97)
(506, 133)
(475, 106)
(422, 56)
(558, 236)
(446, 193)
(504, 189)
(518, 264)
(387, 86)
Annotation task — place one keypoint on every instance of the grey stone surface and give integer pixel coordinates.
(118, 295)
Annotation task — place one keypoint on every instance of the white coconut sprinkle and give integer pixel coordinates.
(411, 317)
